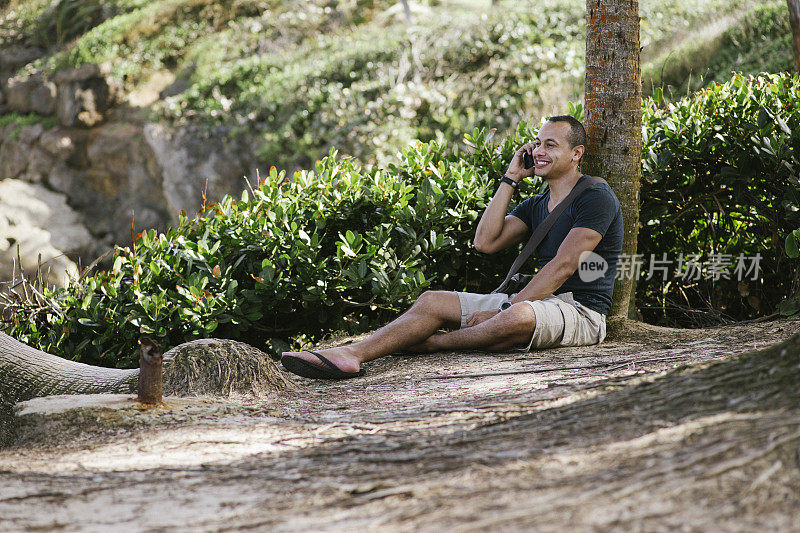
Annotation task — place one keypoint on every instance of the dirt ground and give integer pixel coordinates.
(555, 440)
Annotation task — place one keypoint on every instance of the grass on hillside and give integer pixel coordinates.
(299, 77)
(749, 42)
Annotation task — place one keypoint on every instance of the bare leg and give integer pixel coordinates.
(432, 311)
(509, 329)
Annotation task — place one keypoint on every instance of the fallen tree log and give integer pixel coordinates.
(27, 373)
(217, 367)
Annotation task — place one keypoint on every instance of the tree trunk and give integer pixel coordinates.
(794, 20)
(26, 373)
(613, 112)
(219, 367)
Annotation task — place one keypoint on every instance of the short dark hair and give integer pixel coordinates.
(577, 133)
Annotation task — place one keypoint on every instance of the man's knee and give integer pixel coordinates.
(442, 304)
(518, 320)
(430, 299)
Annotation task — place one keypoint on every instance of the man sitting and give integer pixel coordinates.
(560, 306)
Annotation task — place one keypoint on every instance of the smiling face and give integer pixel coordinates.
(553, 156)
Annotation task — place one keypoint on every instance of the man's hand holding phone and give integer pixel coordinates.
(521, 166)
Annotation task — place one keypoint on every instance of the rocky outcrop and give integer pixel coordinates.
(192, 166)
(16, 56)
(31, 95)
(41, 224)
(84, 96)
(101, 171)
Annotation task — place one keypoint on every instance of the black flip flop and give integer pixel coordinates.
(301, 367)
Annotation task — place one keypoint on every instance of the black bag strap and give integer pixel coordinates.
(542, 229)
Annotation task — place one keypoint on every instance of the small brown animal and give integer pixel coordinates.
(150, 372)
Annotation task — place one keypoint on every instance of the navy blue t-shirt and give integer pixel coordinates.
(596, 208)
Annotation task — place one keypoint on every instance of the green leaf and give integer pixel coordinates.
(764, 118)
(793, 244)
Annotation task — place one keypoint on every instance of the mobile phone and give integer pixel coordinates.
(527, 160)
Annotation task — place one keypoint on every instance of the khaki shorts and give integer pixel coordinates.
(560, 320)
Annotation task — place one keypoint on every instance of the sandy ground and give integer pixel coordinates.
(464, 442)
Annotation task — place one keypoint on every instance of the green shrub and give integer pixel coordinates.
(371, 89)
(21, 120)
(339, 248)
(720, 176)
(55, 23)
(344, 248)
(300, 77)
(139, 36)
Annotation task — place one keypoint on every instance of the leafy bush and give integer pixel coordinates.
(720, 176)
(344, 248)
(54, 23)
(138, 37)
(372, 89)
(301, 77)
(336, 248)
(297, 78)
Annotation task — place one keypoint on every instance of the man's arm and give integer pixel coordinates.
(496, 230)
(498, 236)
(552, 275)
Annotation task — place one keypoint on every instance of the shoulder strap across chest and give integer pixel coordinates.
(542, 229)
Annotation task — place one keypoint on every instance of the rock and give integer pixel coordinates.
(15, 151)
(41, 222)
(13, 158)
(40, 163)
(83, 72)
(110, 147)
(67, 145)
(117, 183)
(149, 92)
(191, 165)
(7, 132)
(29, 134)
(14, 57)
(33, 94)
(79, 186)
(83, 97)
(64, 179)
(140, 199)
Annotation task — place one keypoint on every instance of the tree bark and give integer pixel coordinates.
(26, 373)
(219, 367)
(613, 116)
(794, 20)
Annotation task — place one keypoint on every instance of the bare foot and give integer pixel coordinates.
(340, 356)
